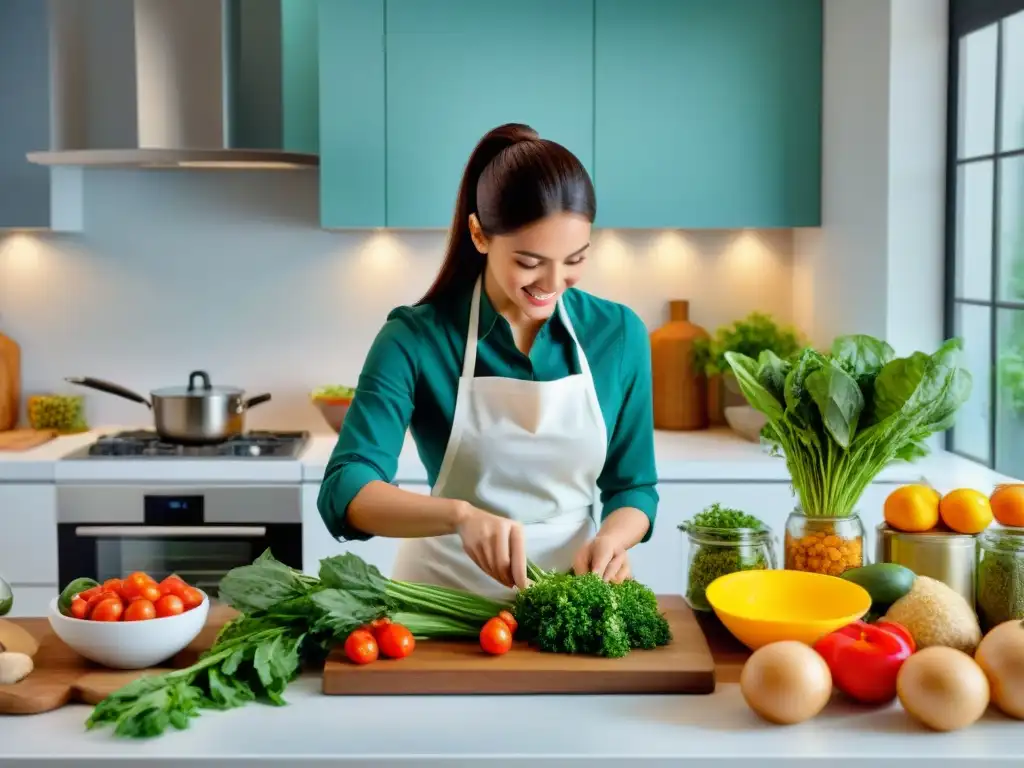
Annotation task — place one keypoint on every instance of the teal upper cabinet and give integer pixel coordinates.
(457, 68)
(708, 113)
(352, 152)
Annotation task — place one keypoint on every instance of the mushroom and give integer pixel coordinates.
(14, 667)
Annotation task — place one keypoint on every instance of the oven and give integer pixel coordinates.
(199, 532)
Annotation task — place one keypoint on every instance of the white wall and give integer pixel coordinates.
(228, 271)
(876, 266)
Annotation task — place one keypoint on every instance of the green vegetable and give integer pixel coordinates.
(335, 391)
(885, 582)
(570, 613)
(751, 336)
(841, 418)
(74, 587)
(6, 598)
(287, 618)
(727, 541)
(1000, 590)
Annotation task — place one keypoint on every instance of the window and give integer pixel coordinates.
(985, 226)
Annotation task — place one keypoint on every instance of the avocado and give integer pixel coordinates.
(885, 582)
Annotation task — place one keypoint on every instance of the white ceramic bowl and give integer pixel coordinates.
(746, 421)
(130, 644)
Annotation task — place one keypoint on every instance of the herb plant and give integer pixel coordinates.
(726, 541)
(582, 613)
(840, 418)
(287, 618)
(750, 336)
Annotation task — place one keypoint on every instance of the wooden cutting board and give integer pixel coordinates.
(10, 383)
(61, 676)
(25, 439)
(684, 666)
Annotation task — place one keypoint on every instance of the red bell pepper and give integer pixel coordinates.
(865, 658)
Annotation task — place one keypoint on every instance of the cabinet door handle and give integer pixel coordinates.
(171, 531)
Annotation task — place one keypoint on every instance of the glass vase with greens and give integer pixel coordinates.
(839, 418)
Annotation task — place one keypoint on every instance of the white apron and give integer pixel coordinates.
(526, 450)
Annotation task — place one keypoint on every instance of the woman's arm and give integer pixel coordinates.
(628, 481)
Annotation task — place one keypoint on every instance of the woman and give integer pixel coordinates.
(526, 397)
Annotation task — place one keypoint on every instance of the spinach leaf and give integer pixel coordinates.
(351, 573)
(264, 583)
(839, 401)
(800, 408)
(760, 398)
(771, 374)
(862, 356)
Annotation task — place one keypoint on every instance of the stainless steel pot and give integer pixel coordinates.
(196, 414)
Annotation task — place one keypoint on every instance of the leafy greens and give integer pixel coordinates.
(840, 418)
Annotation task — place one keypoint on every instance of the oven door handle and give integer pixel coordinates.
(171, 531)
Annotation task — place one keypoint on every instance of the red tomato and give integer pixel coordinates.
(173, 585)
(169, 605)
(361, 647)
(107, 610)
(98, 598)
(495, 636)
(139, 585)
(191, 598)
(79, 608)
(112, 585)
(509, 620)
(864, 660)
(395, 641)
(90, 593)
(379, 624)
(140, 610)
(898, 629)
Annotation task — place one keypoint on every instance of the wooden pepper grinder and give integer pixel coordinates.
(10, 383)
(680, 390)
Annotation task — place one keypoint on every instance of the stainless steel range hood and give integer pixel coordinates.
(183, 84)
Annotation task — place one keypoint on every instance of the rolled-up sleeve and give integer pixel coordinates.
(630, 475)
(375, 426)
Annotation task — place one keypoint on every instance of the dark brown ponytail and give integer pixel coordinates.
(513, 178)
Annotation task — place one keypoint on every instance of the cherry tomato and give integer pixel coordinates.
(108, 610)
(90, 593)
(510, 621)
(495, 636)
(113, 585)
(395, 641)
(96, 599)
(361, 647)
(138, 585)
(140, 610)
(191, 598)
(173, 585)
(79, 608)
(378, 624)
(169, 605)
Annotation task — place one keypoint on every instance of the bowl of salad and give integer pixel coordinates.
(333, 401)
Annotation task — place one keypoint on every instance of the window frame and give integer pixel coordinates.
(966, 16)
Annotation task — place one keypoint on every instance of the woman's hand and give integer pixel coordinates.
(496, 544)
(605, 556)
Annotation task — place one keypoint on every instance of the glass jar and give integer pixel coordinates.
(714, 552)
(63, 413)
(999, 582)
(828, 545)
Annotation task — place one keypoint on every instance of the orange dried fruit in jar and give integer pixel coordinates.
(912, 508)
(1007, 502)
(966, 510)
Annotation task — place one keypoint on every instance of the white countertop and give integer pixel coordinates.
(715, 455)
(716, 729)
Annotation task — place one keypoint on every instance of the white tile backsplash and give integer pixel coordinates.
(228, 271)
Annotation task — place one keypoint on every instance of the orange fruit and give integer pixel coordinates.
(1008, 505)
(912, 508)
(966, 510)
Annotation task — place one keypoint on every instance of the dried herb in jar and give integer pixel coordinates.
(723, 541)
(1000, 590)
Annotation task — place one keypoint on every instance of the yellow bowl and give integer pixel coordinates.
(761, 607)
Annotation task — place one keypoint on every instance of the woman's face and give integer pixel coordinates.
(532, 267)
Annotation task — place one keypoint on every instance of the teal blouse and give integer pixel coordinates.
(411, 375)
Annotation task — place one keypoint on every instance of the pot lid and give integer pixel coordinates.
(198, 386)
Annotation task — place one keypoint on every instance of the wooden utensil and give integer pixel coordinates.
(683, 666)
(25, 439)
(10, 383)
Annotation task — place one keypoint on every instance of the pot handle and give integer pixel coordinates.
(258, 400)
(109, 387)
(198, 375)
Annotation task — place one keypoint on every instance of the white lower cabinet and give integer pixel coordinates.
(317, 543)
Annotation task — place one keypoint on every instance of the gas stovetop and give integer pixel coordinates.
(146, 444)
